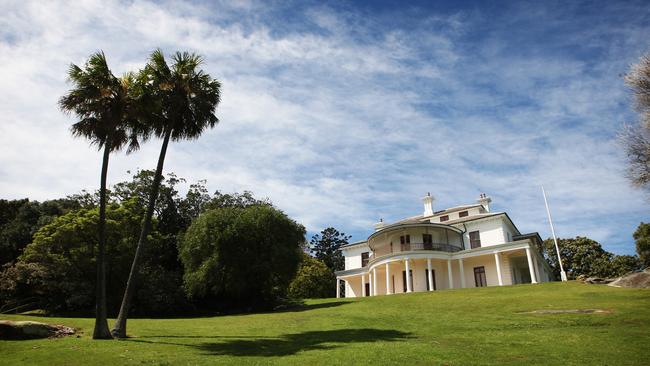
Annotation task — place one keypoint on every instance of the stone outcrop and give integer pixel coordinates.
(634, 280)
(32, 330)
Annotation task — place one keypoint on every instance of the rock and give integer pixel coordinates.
(634, 280)
(581, 278)
(31, 330)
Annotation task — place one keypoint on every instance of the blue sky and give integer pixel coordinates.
(345, 112)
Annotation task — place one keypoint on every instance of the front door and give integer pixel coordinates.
(479, 277)
(367, 289)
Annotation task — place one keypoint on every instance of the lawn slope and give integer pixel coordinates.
(487, 326)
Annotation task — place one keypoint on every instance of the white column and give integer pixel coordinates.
(370, 280)
(374, 281)
(531, 267)
(497, 260)
(462, 273)
(363, 285)
(449, 275)
(429, 276)
(408, 276)
(536, 264)
(388, 279)
(338, 288)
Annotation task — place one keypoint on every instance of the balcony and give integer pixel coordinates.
(441, 247)
(408, 247)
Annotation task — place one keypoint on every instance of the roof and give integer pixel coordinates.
(472, 218)
(457, 208)
(353, 244)
(420, 218)
(416, 224)
(534, 235)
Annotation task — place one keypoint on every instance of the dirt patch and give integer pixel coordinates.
(568, 311)
(32, 330)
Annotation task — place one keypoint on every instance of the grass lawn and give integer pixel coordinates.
(486, 326)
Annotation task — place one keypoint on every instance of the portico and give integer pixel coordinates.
(431, 271)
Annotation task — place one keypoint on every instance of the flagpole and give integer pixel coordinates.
(557, 248)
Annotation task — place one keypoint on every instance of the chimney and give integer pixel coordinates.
(428, 204)
(484, 200)
(380, 225)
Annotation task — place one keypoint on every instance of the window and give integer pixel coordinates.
(463, 214)
(364, 258)
(444, 218)
(405, 241)
(509, 237)
(479, 277)
(475, 239)
(427, 241)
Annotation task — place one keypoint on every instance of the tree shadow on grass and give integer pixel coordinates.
(289, 344)
(301, 306)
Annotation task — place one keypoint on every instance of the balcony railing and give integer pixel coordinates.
(407, 247)
(442, 247)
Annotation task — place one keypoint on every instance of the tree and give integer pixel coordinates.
(313, 280)
(107, 108)
(57, 267)
(636, 138)
(642, 239)
(244, 257)
(584, 256)
(623, 264)
(184, 99)
(20, 219)
(326, 247)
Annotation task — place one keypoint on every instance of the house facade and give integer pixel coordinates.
(459, 247)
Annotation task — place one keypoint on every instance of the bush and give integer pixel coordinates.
(240, 256)
(313, 280)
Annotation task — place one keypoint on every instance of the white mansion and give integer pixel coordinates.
(464, 246)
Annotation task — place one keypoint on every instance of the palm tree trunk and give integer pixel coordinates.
(119, 330)
(101, 323)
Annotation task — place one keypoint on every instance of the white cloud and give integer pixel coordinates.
(344, 121)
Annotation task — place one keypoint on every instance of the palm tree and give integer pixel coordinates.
(105, 106)
(184, 99)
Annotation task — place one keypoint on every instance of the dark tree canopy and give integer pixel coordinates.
(57, 268)
(243, 256)
(584, 256)
(20, 219)
(642, 239)
(162, 290)
(313, 280)
(325, 246)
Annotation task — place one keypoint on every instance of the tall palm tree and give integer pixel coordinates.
(184, 99)
(106, 108)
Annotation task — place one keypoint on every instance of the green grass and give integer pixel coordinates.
(485, 326)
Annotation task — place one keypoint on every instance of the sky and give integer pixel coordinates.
(342, 113)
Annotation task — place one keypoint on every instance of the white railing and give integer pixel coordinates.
(408, 247)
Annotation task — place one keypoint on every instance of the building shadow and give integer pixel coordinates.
(288, 344)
